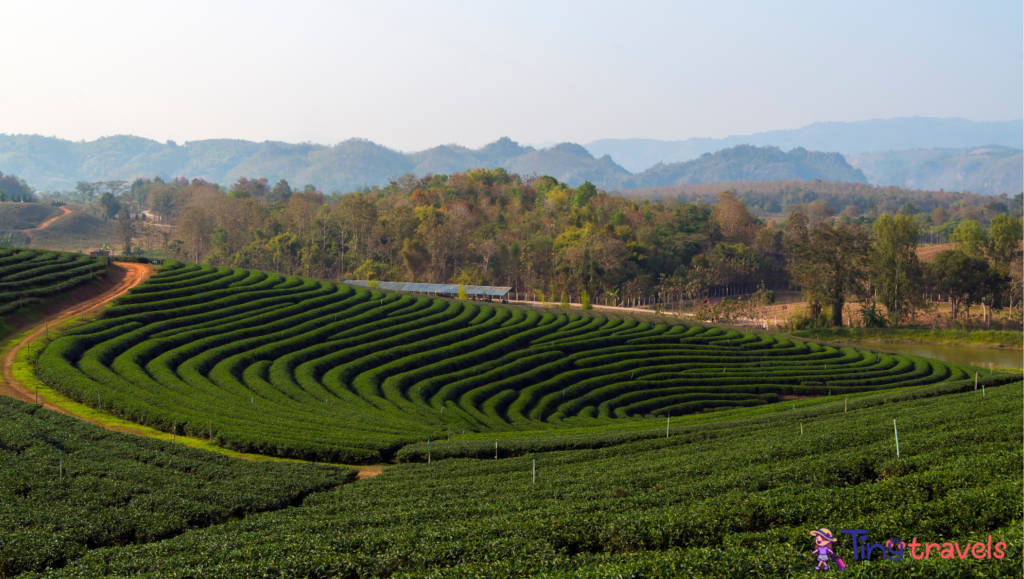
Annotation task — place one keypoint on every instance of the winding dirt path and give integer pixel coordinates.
(46, 223)
(136, 274)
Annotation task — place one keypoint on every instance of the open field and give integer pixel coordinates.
(300, 368)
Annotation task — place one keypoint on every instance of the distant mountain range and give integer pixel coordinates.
(749, 163)
(990, 169)
(50, 163)
(849, 139)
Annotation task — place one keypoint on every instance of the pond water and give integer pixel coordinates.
(976, 356)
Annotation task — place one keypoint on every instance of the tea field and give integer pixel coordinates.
(67, 486)
(734, 497)
(27, 276)
(292, 367)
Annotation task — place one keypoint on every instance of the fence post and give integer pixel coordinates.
(897, 433)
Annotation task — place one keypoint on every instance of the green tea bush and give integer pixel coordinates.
(302, 368)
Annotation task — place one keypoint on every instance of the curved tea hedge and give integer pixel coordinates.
(27, 275)
(302, 368)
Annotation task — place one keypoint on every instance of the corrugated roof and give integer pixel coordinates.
(433, 288)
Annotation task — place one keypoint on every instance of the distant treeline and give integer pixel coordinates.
(14, 189)
(540, 236)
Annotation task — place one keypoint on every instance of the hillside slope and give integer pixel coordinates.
(46, 227)
(989, 169)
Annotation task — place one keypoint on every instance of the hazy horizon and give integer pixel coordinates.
(536, 145)
(411, 76)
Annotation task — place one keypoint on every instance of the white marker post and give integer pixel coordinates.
(668, 420)
(975, 379)
(535, 471)
(495, 450)
(897, 432)
(428, 451)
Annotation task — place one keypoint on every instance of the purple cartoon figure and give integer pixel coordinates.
(823, 542)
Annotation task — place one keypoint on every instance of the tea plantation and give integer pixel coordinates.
(734, 497)
(67, 486)
(308, 369)
(27, 276)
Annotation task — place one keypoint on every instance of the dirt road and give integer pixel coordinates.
(46, 223)
(136, 273)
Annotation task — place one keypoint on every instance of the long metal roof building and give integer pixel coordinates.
(434, 288)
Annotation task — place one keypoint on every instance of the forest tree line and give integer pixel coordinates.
(490, 227)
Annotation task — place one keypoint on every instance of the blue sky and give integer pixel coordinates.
(411, 75)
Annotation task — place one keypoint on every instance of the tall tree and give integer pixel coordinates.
(896, 272)
(964, 278)
(86, 191)
(969, 238)
(126, 233)
(111, 205)
(831, 265)
(1004, 240)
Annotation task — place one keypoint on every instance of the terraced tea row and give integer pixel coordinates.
(27, 276)
(304, 368)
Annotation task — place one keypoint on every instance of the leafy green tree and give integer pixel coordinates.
(896, 273)
(111, 205)
(280, 193)
(462, 292)
(614, 295)
(565, 301)
(585, 301)
(583, 194)
(831, 264)
(969, 238)
(964, 278)
(1004, 240)
(86, 191)
(126, 233)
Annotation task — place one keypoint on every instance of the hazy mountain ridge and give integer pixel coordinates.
(990, 169)
(50, 163)
(849, 139)
(749, 163)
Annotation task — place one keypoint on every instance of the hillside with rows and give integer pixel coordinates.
(728, 498)
(29, 276)
(67, 487)
(293, 367)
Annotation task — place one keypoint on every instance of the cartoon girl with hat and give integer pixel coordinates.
(823, 542)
